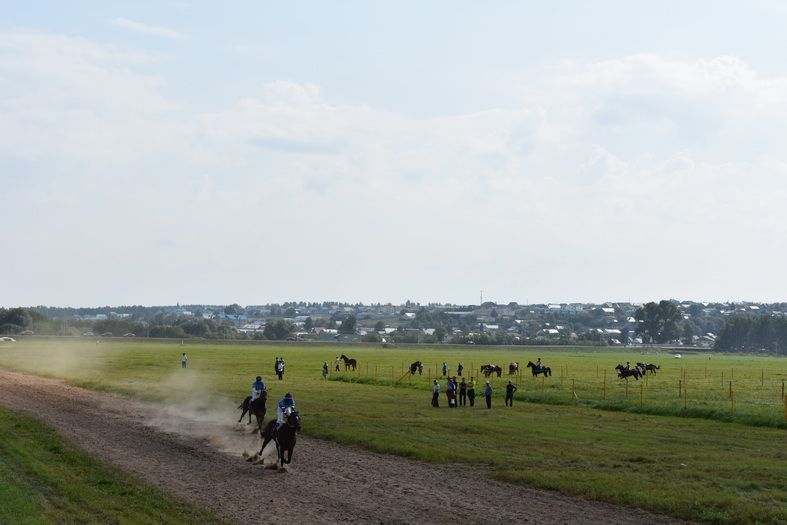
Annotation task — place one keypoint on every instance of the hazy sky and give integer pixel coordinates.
(159, 152)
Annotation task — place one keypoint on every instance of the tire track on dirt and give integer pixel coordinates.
(328, 483)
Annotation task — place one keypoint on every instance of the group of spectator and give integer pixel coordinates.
(466, 391)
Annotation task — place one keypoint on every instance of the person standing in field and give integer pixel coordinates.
(471, 391)
(488, 394)
(183, 360)
(325, 370)
(445, 369)
(510, 389)
(459, 369)
(463, 393)
(436, 394)
(280, 368)
(336, 363)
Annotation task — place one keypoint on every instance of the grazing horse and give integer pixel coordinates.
(488, 370)
(536, 369)
(513, 368)
(348, 363)
(284, 438)
(624, 373)
(256, 408)
(418, 366)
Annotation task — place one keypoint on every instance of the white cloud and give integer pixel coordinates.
(644, 176)
(139, 27)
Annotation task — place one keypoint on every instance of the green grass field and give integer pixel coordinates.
(696, 467)
(44, 479)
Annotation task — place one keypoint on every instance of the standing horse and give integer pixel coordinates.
(418, 366)
(348, 363)
(648, 367)
(539, 369)
(284, 438)
(513, 368)
(255, 408)
(624, 373)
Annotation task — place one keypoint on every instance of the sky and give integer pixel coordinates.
(162, 152)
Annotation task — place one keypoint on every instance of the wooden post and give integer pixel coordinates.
(574, 393)
(732, 404)
(542, 385)
(685, 399)
(605, 384)
(762, 377)
(367, 369)
(680, 387)
(785, 405)
(641, 395)
(596, 370)
(375, 371)
(646, 378)
(782, 388)
(730, 389)
(722, 378)
(392, 376)
(706, 372)
(627, 389)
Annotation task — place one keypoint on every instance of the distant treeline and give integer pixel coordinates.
(753, 334)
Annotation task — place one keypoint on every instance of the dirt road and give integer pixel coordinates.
(198, 459)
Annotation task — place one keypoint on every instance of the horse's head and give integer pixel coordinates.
(294, 421)
(530, 364)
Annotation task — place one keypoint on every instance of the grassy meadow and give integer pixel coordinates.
(726, 463)
(45, 479)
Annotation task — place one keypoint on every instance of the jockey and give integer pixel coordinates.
(257, 388)
(286, 405)
(538, 363)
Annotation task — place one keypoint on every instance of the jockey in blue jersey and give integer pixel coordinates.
(286, 406)
(257, 388)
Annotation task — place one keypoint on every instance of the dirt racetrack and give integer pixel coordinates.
(200, 461)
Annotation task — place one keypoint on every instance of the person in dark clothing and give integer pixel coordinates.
(436, 394)
(488, 394)
(459, 369)
(471, 391)
(463, 393)
(445, 369)
(510, 389)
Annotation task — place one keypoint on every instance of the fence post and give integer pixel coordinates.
(785, 405)
(596, 370)
(605, 384)
(762, 378)
(574, 393)
(375, 371)
(722, 378)
(641, 394)
(730, 389)
(627, 389)
(685, 399)
(680, 388)
(782, 388)
(392, 376)
(542, 385)
(367, 369)
(706, 372)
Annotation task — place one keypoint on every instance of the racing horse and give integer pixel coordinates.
(513, 368)
(647, 367)
(418, 366)
(536, 369)
(624, 373)
(284, 437)
(348, 363)
(255, 408)
(488, 370)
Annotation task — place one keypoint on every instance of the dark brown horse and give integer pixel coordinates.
(418, 366)
(255, 408)
(539, 369)
(348, 363)
(625, 373)
(284, 438)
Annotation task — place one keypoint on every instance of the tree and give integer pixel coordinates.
(439, 334)
(348, 325)
(308, 324)
(277, 330)
(659, 321)
(688, 333)
(379, 326)
(233, 309)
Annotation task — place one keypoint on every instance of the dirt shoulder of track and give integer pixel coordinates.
(200, 461)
